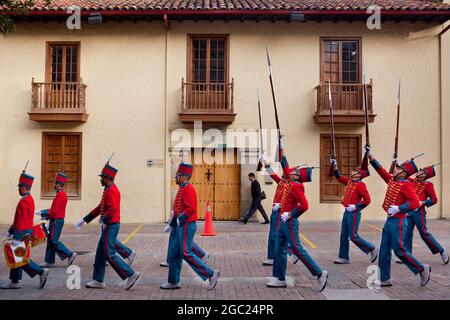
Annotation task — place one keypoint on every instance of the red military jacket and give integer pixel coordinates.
(23, 218)
(425, 191)
(399, 193)
(58, 208)
(109, 207)
(355, 192)
(295, 202)
(185, 204)
(282, 185)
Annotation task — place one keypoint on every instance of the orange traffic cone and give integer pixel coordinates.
(209, 229)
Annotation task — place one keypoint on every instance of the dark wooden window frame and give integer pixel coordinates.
(189, 74)
(44, 195)
(48, 63)
(337, 135)
(323, 39)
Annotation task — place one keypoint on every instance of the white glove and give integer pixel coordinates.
(263, 158)
(38, 212)
(167, 228)
(79, 224)
(8, 235)
(394, 159)
(351, 208)
(393, 210)
(276, 207)
(333, 162)
(368, 150)
(285, 216)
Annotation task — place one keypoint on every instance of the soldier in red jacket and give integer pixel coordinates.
(418, 218)
(293, 206)
(21, 228)
(356, 198)
(109, 211)
(56, 214)
(281, 190)
(185, 225)
(399, 200)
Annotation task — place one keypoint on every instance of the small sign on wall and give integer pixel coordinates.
(155, 163)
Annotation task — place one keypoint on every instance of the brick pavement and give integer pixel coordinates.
(237, 251)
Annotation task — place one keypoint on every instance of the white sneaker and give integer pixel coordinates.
(322, 281)
(168, 286)
(205, 257)
(268, 262)
(386, 283)
(131, 257)
(11, 285)
(47, 265)
(277, 283)
(43, 278)
(341, 261)
(373, 255)
(71, 259)
(425, 275)
(213, 280)
(444, 257)
(131, 281)
(164, 264)
(94, 284)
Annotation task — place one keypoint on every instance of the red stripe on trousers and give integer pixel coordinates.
(107, 254)
(186, 253)
(354, 232)
(424, 230)
(401, 245)
(301, 257)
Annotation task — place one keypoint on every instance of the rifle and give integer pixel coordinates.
(333, 142)
(277, 121)
(260, 164)
(392, 168)
(365, 162)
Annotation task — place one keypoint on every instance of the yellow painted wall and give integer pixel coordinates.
(130, 86)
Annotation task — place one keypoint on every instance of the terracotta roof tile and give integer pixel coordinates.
(240, 5)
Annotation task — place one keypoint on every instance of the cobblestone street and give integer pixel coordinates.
(237, 251)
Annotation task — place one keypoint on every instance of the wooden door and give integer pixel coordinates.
(218, 183)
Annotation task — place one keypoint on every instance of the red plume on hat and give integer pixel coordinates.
(305, 174)
(430, 171)
(108, 170)
(409, 166)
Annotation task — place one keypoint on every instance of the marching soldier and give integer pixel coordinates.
(356, 198)
(399, 200)
(56, 215)
(427, 195)
(184, 227)
(109, 211)
(293, 206)
(22, 227)
(275, 217)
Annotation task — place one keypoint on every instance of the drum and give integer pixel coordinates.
(16, 255)
(38, 236)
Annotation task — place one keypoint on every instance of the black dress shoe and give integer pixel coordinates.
(265, 222)
(243, 220)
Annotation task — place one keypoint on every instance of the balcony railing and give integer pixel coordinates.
(209, 102)
(58, 101)
(347, 99)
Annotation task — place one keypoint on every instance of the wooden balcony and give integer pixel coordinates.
(58, 102)
(347, 98)
(211, 103)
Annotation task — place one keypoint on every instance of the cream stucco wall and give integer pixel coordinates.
(134, 71)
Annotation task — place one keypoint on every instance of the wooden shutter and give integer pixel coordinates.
(348, 149)
(61, 149)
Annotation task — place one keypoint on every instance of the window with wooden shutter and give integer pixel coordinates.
(61, 151)
(348, 150)
(63, 62)
(340, 60)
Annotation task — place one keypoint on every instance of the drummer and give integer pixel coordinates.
(21, 227)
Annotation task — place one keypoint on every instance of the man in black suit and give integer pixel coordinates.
(256, 200)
